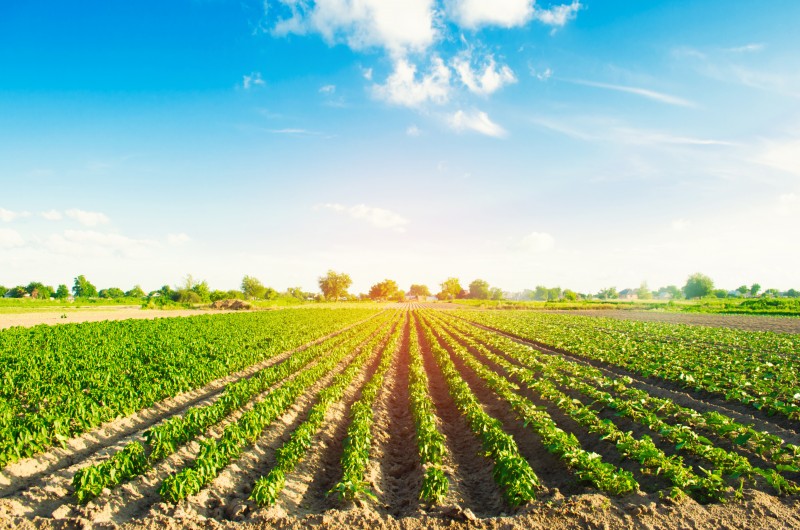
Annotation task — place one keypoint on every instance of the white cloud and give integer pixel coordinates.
(413, 131)
(789, 204)
(328, 89)
(679, 225)
(557, 16)
(403, 88)
(537, 242)
(747, 48)
(398, 27)
(476, 13)
(87, 218)
(52, 215)
(508, 13)
(367, 73)
(8, 215)
(252, 80)
(542, 75)
(89, 243)
(477, 121)
(643, 92)
(484, 82)
(781, 154)
(178, 239)
(377, 217)
(10, 238)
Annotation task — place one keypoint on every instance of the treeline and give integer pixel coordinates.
(334, 287)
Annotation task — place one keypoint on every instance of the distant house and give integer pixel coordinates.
(628, 294)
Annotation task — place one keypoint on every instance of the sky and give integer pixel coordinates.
(584, 144)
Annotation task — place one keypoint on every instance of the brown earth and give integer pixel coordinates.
(36, 492)
(743, 322)
(74, 316)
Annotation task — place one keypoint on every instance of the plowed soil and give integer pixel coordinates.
(37, 492)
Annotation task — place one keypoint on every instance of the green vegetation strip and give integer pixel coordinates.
(755, 368)
(553, 368)
(266, 489)
(216, 454)
(60, 381)
(587, 466)
(430, 440)
(164, 439)
(358, 442)
(511, 471)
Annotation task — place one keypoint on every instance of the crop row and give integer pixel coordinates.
(216, 453)
(587, 466)
(548, 370)
(430, 440)
(511, 471)
(59, 381)
(761, 378)
(267, 488)
(164, 439)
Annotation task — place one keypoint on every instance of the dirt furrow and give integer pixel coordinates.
(306, 489)
(395, 471)
(701, 401)
(113, 435)
(471, 482)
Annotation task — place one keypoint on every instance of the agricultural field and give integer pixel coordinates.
(414, 417)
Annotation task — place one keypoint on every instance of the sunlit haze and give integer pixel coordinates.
(584, 145)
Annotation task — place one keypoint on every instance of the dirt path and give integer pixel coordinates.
(74, 316)
(743, 322)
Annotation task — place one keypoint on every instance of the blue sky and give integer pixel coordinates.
(584, 144)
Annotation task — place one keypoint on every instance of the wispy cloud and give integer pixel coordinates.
(52, 215)
(642, 92)
(473, 14)
(178, 239)
(377, 217)
(413, 131)
(252, 80)
(87, 218)
(99, 244)
(327, 89)
(537, 242)
(404, 88)
(747, 48)
(486, 78)
(477, 121)
(10, 238)
(9, 215)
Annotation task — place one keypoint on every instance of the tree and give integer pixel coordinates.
(39, 290)
(608, 293)
(754, 289)
(772, 293)
(479, 289)
(62, 292)
(297, 292)
(720, 293)
(541, 293)
(385, 290)
(83, 288)
(743, 290)
(202, 291)
(334, 285)
(496, 293)
(3, 290)
(111, 292)
(419, 290)
(793, 293)
(136, 292)
(698, 285)
(554, 293)
(253, 288)
(570, 295)
(644, 292)
(17, 292)
(451, 288)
